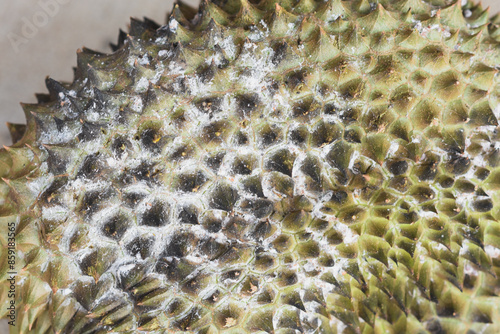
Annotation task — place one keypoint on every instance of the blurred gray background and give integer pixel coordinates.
(40, 38)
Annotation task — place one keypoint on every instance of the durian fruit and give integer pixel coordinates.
(274, 167)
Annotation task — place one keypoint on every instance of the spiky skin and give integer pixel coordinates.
(310, 167)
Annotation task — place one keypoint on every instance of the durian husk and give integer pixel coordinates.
(272, 167)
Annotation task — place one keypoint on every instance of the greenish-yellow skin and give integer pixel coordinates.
(274, 167)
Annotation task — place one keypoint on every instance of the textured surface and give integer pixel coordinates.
(291, 172)
(52, 51)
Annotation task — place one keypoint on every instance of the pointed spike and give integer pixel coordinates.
(407, 17)
(151, 24)
(223, 62)
(188, 11)
(453, 16)
(140, 28)
(92, 53)
(176, 32)
(27, 107)
(82, 60)
(59, 123)
(186, 58)
(379, 20)
(285, 56)
(30, 132)
(56, 89)
(281, 21)
(89, 131)
(42, 122)
(452, 41)
(338, 26)
(416, 6)
(210, 11)
(85, 57)
(75, 104)
(208, 73)
(481, 19)
(93, 76)
(305, 6)
(178, 54)
(132, 42)
(495, 19)
(100, 79)
(100, 98)
(66, 307)
(482, 76)
(230, 7)
(307, 28)
(323, 48)
(248, 14)
(332, 10)
(59, 157)
(494, 31)
(20, 192)
(23, 161)
(364, 7)
(136, 29)
(352, 42)
(435, 34)
(122, 36)
(178, 14)
(471, 43)
(215, 34)
(16, 131)
(35, 152)
(33, 108)
(476, 30)
(150, 98)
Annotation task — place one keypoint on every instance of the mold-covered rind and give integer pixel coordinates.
(290, 167)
